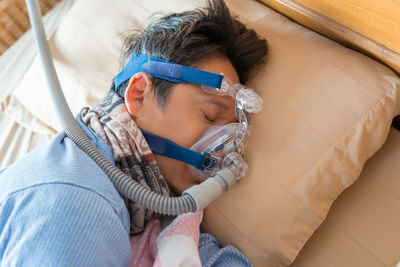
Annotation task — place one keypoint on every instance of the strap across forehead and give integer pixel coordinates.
(166, 70)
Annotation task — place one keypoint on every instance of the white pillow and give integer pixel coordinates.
(327, 109)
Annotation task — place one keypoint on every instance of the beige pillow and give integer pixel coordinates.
(326, 110)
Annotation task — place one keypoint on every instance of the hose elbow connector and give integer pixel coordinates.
(211, 189)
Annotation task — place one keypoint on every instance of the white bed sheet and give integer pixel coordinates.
(16, 60)
(21, 131)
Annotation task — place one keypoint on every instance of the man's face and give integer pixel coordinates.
(188, 112)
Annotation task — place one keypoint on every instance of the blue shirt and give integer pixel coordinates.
(58, 208)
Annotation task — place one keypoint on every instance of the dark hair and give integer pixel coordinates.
(189, 37)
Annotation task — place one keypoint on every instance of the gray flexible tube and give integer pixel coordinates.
(124, 184)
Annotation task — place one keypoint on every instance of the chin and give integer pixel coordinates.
(188, 180)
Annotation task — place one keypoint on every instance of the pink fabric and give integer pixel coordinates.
(142, 246)
(187, 225)
(152, 248)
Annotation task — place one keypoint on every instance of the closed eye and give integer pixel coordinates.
(219, 104)
(206, 118)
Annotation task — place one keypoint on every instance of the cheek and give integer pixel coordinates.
(183, 127)
(182, 121)
(179, 122)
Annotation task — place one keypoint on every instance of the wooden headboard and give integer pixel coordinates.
(14, 20)
(369, 26)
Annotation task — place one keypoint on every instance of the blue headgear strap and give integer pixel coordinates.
(166, 70)
(169, 149)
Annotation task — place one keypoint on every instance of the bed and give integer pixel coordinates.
(361, 228)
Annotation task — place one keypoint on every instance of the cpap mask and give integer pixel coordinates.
(220, 146)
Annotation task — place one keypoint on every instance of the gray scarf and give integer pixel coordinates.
(110, 120)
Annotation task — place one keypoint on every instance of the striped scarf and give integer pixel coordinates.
(110, 120)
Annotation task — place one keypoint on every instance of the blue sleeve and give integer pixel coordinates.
(60, 224)
(211, 254)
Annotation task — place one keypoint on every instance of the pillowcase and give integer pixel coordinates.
(327, 109)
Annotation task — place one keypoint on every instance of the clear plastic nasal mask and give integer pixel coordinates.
(219, 146)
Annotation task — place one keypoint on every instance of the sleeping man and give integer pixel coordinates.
(180, 83)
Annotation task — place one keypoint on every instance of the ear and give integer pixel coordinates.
(139, 86)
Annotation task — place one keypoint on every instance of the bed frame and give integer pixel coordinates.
(371, 27)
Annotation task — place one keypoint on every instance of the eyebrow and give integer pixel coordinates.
(218, 104)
